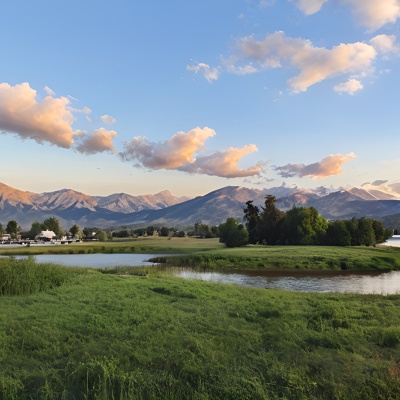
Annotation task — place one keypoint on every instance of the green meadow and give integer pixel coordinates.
(141, 333)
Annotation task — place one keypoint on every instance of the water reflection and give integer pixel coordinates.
(369, 282)
(393, 241)
(95, 260)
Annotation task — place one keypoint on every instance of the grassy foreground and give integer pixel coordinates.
(90, 335)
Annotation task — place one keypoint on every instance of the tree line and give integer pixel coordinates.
(299, 226)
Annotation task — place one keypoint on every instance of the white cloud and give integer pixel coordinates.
(86, 110)
(180, 152)
(211, 74)
(108, 119)
(314, 63)
(331, 165)
(48, 91)
(309, 7)
(374, 13)
(350, 87)
(266, 3)
(385, 44)
(99, 141)
(48, 120)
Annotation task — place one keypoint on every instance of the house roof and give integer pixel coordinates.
(47, 234)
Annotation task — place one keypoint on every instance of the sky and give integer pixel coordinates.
(190, 96)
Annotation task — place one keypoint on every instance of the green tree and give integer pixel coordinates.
(271, 218)
(337, 234)
(12, 228)
(233, 234)
(74, 230)
(352, 227)
(36, 228)
(52, 224)
(1, 229)
(101, 236)
(366, 231)
(164, 231)
(150, 230)
(304, 226)
(252, 219)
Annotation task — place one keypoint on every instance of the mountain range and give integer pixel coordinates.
(164, 209)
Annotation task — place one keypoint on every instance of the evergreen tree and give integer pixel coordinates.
(268, 228)
(252, 219)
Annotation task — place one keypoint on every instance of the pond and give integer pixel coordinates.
(366, 282)
(363, 282)
(95, 260)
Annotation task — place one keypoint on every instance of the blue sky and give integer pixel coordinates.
(190, 96)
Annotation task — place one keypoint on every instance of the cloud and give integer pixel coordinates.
(99, 141)
(385, 44)
(309, 7)
(171, 154)
(375, 183)
(211, 74)
(180, 152)
(382, 185)
(331, 165)
(108, 119)
(374, 13)
(49, 91)
(223, 163)
(48, 120)
(350, 87)
(86, 110)
(314, 63)
(266, 3)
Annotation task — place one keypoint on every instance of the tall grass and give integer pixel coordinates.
(25, 276)
(159, 337)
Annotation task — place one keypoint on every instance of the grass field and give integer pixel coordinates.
(83, 334)
(141, 333)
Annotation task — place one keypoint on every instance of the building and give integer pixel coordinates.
(46, 236)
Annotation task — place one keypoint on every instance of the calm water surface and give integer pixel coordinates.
(95, 260)
(367, 282)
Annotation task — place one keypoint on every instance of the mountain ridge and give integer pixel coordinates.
(164, 209)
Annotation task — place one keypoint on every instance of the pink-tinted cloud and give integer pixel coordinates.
(48, 120)
(372, 14)
(99, 141)
(351, 86)
(331, 165)
(171, 154)
(375, 13)
(181, 152)
(314, 63)
(223, 163)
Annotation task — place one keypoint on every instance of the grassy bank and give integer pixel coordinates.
(148, 336)
(292, 257)
(142, 245)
